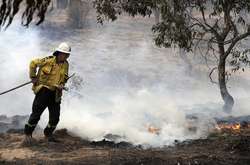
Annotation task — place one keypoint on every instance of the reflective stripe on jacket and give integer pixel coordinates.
(50, 74)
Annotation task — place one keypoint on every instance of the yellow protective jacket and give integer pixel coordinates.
(49, 74)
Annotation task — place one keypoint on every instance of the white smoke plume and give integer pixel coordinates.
(18, 46)
(124, 84)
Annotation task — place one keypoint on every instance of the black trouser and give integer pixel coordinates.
(43, 99)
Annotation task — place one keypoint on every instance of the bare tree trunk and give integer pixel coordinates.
(157, 15)
(75, 13)
(184, 57)
(227, 98)
(61, 4)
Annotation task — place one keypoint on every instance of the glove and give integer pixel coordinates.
(34, 80)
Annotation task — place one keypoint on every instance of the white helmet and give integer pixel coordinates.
(64, 48)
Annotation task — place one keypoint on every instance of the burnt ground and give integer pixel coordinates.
(226, 147)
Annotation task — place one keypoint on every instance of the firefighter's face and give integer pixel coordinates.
(62, 57)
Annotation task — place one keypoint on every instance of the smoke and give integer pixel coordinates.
(129, 85)
(124, 84)
(18, 46)
(130, 116)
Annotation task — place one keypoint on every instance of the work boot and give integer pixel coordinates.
(52, 139)
(28, 141)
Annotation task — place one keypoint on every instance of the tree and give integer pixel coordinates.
(10, 8)
(36, 9)
(157, 16)
(183, 56)
(61, 4)
(75, 13)
(78, 11)
(221, 24)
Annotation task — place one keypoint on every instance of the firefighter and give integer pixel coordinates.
(48, 76)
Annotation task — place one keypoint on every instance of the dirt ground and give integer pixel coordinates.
(220, 148)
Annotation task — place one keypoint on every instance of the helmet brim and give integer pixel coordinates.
(60, 51)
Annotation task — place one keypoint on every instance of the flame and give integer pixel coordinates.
(235, 126)
(153, 130)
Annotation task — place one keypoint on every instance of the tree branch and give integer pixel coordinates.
(234, 42)
(210, 75)
(210, 27)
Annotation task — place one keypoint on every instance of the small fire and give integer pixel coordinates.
(231, 126)
(236, 127)
(154, 130)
